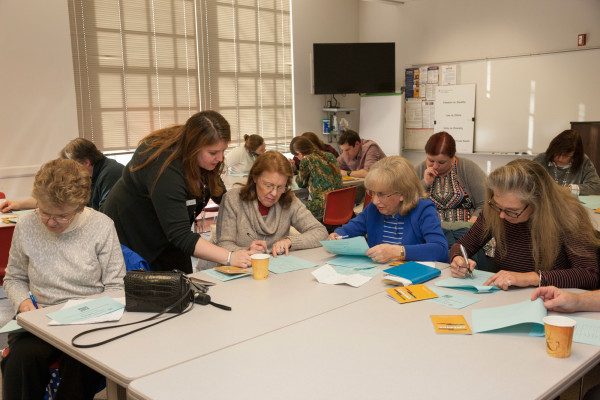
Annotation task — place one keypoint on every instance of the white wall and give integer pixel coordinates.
(320, 21)
(441, 31)
(37, 104)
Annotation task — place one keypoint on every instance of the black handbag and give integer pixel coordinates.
(156, 291)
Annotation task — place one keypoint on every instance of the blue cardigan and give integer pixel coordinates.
(423, 239)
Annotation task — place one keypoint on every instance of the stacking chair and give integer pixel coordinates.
(339, 207)
(211, 208)
(367, 200)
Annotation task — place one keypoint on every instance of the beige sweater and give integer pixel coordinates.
(238, 218)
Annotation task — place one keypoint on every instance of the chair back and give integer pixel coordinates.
(2, 196)
(367, 199)
(339, 206)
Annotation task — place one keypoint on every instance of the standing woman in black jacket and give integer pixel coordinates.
(170, 178)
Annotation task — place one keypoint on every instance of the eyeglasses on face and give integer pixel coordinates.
(509, 213)
(380, 194)
(270, 187)
(59, 219)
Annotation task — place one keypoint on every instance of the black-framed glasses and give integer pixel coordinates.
(62, 220)
(380, 195)
(512, 214)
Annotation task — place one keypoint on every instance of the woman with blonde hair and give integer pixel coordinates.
(544, 236)
(240, 159)
(400, 222)
(167, 183)
(64, 250)
(258, 216)
(319, 172)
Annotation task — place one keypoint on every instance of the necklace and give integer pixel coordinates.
(565, 178)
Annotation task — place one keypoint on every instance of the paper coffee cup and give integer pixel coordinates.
(260, 266)
(559, 335)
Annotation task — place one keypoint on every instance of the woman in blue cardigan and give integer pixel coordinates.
(400, 223)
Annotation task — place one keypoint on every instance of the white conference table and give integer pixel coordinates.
(259, 307)
(376, 348)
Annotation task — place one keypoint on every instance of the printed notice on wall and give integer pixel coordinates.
(428, 114)
(413, 114)
(455, 114)
(448, 74)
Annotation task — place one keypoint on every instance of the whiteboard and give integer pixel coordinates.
(380, 118)
(454, 113)
(521, 103)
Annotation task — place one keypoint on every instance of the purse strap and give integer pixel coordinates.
(189, 292)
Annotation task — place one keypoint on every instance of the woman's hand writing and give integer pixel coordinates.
(258, 246)
(459, 268)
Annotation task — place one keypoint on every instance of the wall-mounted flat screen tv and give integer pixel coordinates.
(354, 68)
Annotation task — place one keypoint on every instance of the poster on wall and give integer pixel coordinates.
(411, 76)
(455, 114)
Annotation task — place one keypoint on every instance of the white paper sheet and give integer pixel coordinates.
(326, 274)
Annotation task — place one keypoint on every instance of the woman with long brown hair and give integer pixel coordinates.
(170, 178)
(319, 171)
(258, 215)
(544, 236)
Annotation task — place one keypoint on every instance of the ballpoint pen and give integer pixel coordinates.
(33, 299)
(464, 253)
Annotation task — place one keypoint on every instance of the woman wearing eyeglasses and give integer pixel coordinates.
(62, 251)
(544, 236)
(400, 223)
(568, 165)
(240, 159)
(168, 182)
(258, 215)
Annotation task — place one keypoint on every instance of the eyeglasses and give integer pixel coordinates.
(271, 187)
(512, 214)
(380, 195)
(58, 219)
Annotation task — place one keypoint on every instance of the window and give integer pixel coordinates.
(141, 65)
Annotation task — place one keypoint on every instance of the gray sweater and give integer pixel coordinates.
(238, 218)
(84, 260)
(471, 178)
(586, 177)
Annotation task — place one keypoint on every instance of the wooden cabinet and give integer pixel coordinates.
(590, 135)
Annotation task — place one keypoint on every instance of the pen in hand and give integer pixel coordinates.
(33, 300)
(464, 253)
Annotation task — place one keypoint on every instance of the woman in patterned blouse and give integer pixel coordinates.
(318, 171)
(456, 186)
(544, 236)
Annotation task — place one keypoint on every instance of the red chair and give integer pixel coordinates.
(211, 208)
(6, 233)
(339, 206)
(367, 200)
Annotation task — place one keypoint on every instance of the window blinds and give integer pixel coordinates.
(141, 65)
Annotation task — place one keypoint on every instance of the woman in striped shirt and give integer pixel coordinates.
(400, 223)
(544, 236)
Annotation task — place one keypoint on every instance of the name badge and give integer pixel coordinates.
(191, 202)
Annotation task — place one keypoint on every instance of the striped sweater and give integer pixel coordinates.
(576, 265)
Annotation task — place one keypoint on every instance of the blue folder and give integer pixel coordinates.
(414, 272)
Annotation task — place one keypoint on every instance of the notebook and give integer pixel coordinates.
(410, 273)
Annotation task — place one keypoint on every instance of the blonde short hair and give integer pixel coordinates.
(396, 174)
(62, 182)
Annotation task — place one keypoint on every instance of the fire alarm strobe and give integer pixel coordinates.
(581, 39)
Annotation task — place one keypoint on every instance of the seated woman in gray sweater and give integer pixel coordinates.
(258, 215)
(61, 251)
(568, 165)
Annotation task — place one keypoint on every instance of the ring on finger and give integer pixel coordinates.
(509, 284)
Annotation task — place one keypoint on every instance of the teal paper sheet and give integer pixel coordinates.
(11, 326)
(353, 262)
(592, 202)
(452, 299)
(89, 309)
(213, 273)
(492, 319)
(371, 272)
(284, 263)
(356, 246)
(473, 285)
(587, 330)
